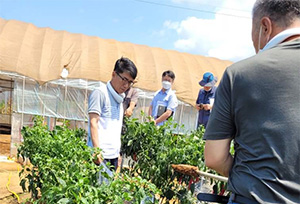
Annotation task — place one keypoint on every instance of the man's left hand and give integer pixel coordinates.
(128, 112)
(207, 107)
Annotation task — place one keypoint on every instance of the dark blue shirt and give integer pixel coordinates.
(203, 97)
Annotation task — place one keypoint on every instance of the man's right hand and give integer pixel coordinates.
(199, 106)
(99, 159)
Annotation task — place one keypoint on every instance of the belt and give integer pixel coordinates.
(212, 198)
(241, 199)
(224, 199)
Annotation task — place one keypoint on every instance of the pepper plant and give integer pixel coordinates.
(156, 148)
(62, 170)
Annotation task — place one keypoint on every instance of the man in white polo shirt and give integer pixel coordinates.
(105, 111)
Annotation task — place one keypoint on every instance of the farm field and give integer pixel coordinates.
(62, 168)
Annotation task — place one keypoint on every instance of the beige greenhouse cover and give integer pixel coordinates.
(42, 53)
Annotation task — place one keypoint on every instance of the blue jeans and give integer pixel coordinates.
(113, 162)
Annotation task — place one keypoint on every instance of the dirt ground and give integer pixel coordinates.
(9, 183)
(9, 175)
(5, 144)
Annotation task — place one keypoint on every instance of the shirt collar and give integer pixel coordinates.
(166, 92)
(280, 37)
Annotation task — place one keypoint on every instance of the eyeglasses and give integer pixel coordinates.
(125, 80)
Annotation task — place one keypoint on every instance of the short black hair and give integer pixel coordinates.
(126, 65)
(169, 73)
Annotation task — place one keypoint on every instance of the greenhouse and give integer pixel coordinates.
(34, 61)
(22, 98)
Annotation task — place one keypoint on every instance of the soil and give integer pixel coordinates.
(5, 144)
(9, 177)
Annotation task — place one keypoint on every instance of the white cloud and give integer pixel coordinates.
(171, 25)
(225, 37)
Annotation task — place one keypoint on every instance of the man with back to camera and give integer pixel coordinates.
(206, 97)
(106, 112)
(258, 105)
(164, 103)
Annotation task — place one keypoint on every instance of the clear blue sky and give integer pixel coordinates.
(157, 23)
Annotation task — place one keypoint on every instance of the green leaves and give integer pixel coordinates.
(157, 148)
(63, 171)
(64, 201)
(62, 182)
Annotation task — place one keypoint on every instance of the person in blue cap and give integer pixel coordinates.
(206, 96)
